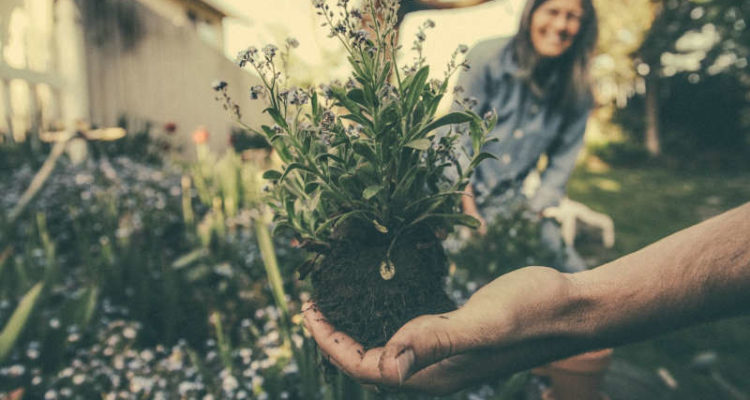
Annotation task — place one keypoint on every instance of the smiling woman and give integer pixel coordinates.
(538, 82)
(554, 25)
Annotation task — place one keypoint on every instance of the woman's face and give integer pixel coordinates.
(554, 26)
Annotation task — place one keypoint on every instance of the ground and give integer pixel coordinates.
(647, 204)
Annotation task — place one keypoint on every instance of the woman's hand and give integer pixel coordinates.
(469, 207)
(493, 334)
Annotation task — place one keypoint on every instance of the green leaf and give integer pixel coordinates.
(435, 197)
(17, 321)
(341, 95)
(87, 306)
(481, 157)
(272, 175)
(419, 144)
(358, 96)
(417, 86)
(455, 219)
(448, 119)
(189, 258)
(291, 167)
(371, 191)
(333, 157)
(358, 119)
(276, 115)
(338, 219)
(314, 105)
(310, 187)
(365, 151)
(268, 131)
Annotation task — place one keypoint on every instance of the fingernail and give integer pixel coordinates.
(404, 361)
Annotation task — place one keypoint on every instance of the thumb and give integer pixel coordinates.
(423, 341)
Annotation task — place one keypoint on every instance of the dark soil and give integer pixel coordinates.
(351, 293)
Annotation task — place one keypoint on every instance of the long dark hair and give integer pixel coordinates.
(573, 87)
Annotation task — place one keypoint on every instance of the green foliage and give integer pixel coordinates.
(701, 122)
(17, 321)
(366, 152)
(512, 241)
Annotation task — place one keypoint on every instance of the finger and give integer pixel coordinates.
(422, 341)
(343, 351)
(452, 374)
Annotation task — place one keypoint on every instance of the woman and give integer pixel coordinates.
(538, 83)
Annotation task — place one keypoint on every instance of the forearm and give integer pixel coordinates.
(699, 274)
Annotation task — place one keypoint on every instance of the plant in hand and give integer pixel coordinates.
(367, 184)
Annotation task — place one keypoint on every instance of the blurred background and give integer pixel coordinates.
(136, 261)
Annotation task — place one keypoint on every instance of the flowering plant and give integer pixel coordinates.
(362, 163)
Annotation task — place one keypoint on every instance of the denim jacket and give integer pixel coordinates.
(527, 127)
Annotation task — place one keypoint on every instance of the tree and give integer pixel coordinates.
(703, 38)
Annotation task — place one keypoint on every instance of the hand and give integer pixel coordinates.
(469, 207)
(504, 327)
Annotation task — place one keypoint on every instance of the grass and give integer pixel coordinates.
(647, 204)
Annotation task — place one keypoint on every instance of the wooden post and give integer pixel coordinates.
(71, 53)
(71, 63)
(653, 142)
(7, 108)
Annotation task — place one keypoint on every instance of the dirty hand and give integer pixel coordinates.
(505, 327)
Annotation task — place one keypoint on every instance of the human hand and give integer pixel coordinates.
(469, 207)
(506, 326)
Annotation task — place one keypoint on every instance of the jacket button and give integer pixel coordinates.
(518, 133)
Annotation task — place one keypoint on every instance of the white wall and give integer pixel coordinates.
(166, 77)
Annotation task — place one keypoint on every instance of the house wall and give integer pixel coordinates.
(165, 76)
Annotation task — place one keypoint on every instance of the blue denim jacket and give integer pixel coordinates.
(527, 127)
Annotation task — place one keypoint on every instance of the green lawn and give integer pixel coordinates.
(650, 203)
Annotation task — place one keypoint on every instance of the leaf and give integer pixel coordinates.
(310, 187)
(358, 119)
(89, 306)
(419, 144)
(276, 115)
(17, 321)
(371, 191)
(481, 157)
(314, 105)
(337, 220)
(365, 151)
(189, 258)
(358, 96)
(272, 175)
(291, 167)
(380, 227)
(438, 196)
(268, 131)
(341, 95)
(333, 157)
(455, 219)
(417, 86)
(448, 119)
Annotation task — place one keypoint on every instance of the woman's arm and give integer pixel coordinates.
(535, 315)
(562, 159)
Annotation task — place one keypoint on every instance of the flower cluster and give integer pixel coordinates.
(114, 366)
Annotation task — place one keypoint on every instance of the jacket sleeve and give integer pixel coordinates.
(562, 158)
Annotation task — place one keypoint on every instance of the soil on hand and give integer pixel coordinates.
(351, 293)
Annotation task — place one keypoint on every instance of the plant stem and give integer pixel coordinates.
(274, 276)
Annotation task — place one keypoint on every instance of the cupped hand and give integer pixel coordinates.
(505, 327)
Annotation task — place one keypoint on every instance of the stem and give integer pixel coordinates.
(274, 276)
(39, 179)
